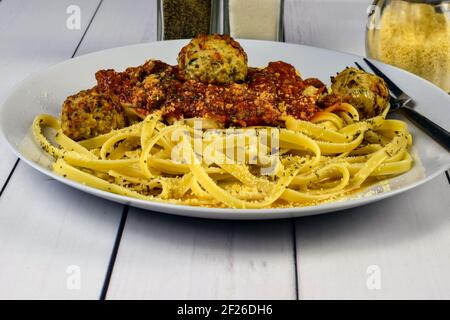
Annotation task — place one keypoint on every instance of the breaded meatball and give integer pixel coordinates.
(366, 92)
(214, 59)
(90, 113)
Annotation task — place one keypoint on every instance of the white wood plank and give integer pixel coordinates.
(121, 23)
(406, 238)
(332, 24)
(7, 161)
(190, 259)
(168, 257)
(49, 233)
(33, 35)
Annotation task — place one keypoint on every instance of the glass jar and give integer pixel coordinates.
(413, 35)
(254, 19)
(184, 19)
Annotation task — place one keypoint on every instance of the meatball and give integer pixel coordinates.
(366, 92)
(90, 113)
(213, 59)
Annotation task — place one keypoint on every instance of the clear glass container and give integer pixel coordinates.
(254, 19)
(184, 19)
(413, 35)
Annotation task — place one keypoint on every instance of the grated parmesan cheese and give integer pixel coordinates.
(414, 37)
(254, 19)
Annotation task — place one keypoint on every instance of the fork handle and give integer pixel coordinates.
(435, 131)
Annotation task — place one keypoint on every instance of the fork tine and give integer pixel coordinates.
(359, 66)
(392, 86)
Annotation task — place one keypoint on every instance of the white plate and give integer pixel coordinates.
(44, 92)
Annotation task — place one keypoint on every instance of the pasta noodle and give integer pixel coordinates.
(312, 162)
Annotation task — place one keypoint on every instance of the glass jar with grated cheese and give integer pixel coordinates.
(254, 19)
(413, 35)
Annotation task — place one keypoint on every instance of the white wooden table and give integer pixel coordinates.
(56, 242)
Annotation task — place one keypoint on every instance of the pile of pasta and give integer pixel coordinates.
(333, 155)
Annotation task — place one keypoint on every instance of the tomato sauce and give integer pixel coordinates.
(263, 99)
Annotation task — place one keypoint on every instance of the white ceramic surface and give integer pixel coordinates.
(45, 91)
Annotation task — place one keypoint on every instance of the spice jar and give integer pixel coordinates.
(182, 19)
(254, 19)
(413, 35)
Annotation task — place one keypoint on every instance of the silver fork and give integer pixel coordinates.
(403, 103)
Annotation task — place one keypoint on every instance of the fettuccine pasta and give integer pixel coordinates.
(315, 161)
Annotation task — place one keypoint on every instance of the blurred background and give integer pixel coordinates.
(411, 34)
(333, 24)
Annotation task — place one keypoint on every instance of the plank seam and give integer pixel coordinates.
(87, 28)
(74, 53)
(115, 250)
(9, 176)
(294, 238)
(123, 219)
